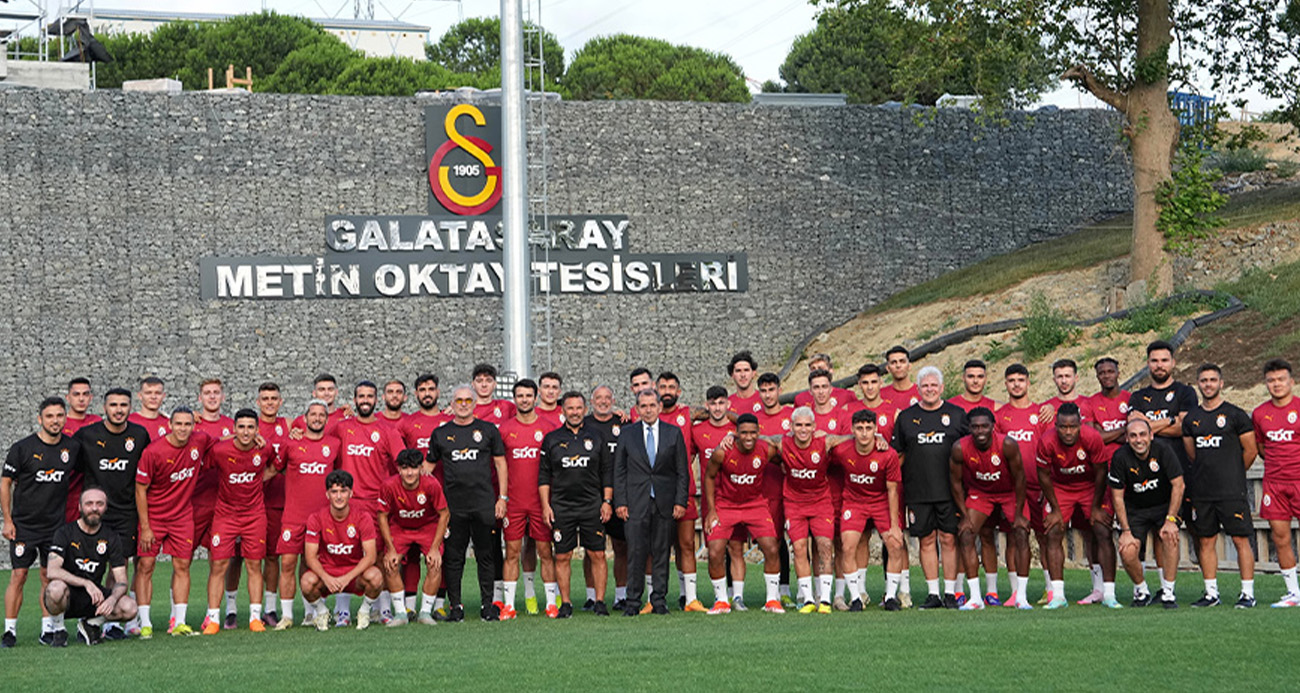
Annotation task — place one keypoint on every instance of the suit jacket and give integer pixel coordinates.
(633, 475)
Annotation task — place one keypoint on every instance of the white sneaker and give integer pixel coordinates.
(1287, 601)
(363, 619)
(321, 620)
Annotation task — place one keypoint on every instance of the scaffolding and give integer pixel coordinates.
(540, 236)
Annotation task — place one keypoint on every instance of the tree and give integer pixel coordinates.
(634, 67)
(474, 47)
(1127, 53)
(874, 52)
(396, 77)
(312, 69)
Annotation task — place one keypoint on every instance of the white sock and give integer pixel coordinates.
(144, 615)
(649, 587)
(343, 605)
(254, 612)
(892, 581)
(498, 589)
(591, 594)
(1289, 577)
(319, 606)
(530, 590)
(426, 603)
(386, 601)
(399, 598)
(11, 625)
(737, 590)
(214, 615)
(1058, 589)
(772, 587)
(620, 593)
(1014, 579)
(508, 593)
(286, 609)
(180, 612)
(681, 584)
(1212, 588)
(552, 590)
(855, 588)
(840, 584)
(308, 610)
(411, 602)
(1047, 578)
(1108, 590)
(932, 586)
(1022, 589)
(862, 583)
(991, 583)
(905, 581)
(439, 602)
(950, 586)
(805, 590)
(961, 579)
(56, 622)
(973, 584)
(1141, 588)
(270, 599)
(1167, 587)
(1248, 588)
(783, 590)
(720, 589)
(1095, 570)
(366, 604)
(96, 621)
(690, 588)
(824, 583)
(232, 602)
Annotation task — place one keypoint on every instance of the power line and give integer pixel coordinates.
(780, 13)
(598, 21)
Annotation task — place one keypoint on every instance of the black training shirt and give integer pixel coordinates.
(109, 461)
(924, 439)
(1146, 480)
(42, 474)
(465, 453)
(88, 556)
(1218, 472)
(577, 467)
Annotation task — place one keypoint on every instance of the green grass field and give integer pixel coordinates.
(1078, 648)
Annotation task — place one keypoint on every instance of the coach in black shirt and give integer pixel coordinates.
(1146, 482)
(82, 553)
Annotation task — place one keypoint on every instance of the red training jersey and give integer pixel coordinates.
(839, 397)
(805, 478)
(1085, 406)
(171, 472)
(985, 471)
(275, 433)
(1276, 435)
(331, 421)
(967, 405)
(1021, 425)
(1110, 414)
(304, 464)
(413, 509)
(70, 425)
(753, 404)
(1072, 467)
(523, 448)
(369, 453)
(417, 428)
(866, 475)
(157, 427)
(495, 411)
(740, 476)
(340, 541)
(239, 477)
(901, 399)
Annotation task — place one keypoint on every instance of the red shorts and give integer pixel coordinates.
(1076, 506)
(1280, 500)
(249, 530)
(273, 518)
(752, 518)
(203, 512)
(520, 521)
(172, 539)
(986, 503)
(857, 516)
(692, 511)
(406, 539)
(353, 587)
(836, 481)
(817, 519)
(290, 541)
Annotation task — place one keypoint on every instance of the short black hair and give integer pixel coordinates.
(364, 383)
(1160, 345)
(741, 357)
(819, 373)
(899, 349)
(527, 384)
(425, 378)
(746, 418)
(1016, 369)
(1065, 363)
(1068, 409)
(117, 392)
(550, 375)
(1274, 365)
(151, 380)
(641, 370)
(570, 395)
(769, 377)
(714, 392)
(868, 369)
(1106, 359)
(409, 458)
(268, 386)
(668, 376)
(975, 363)
(1209, 367)
(981, 411)
(483, 369)
(324, 378)
(245, 413)
(79, 381)
(338, 477)
(181, 410)
(862, 415)
(51, 402)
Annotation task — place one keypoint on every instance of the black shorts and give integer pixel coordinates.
(126, 530)
(614, 528)
(79, 604)
(570, 531)
(1143, 521)
(24, 551)
(924, 518)
(1233, 516)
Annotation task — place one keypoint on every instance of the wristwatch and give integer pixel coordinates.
(608, 501)
(504, 498)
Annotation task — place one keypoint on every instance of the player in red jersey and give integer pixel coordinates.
(774, 420)
(486, 406)
(394, 399)
(901, 393)
(1109, 406)
(522, 436)
(974, 378)
(79, 398)
(274, 429)
(869, 396)
(839, 397)
(987, 478)
(733, 487)
(340, 553)
(413, 518)
(872, 479)
(417, 427)
(669, 387)
(833, 418)
(1020, 419)
(164, 489)
(1277, 433)
(743, 369)
(304, 464)
(211, 422)
(152, 394)
(706, 435)
(1065, 375)
(243, 465)
(326, 389)
(548, 399)
(1072, 466)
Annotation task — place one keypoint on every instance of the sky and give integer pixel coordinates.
(756, 33)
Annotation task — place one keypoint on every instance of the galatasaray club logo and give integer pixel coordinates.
(537, 436)
(130, 444)
(464, 178)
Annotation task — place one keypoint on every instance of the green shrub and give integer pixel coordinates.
(1045, 329)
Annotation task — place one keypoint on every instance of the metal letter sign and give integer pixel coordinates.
(458, 143)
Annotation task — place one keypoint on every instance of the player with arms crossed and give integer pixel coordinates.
(1146, 482)
(339, 550)
(413, 519)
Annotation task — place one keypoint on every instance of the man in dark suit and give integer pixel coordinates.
(650, 484)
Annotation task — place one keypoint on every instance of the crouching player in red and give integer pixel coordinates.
(412, 515)
(988, 477)
(733, 488)
(339, 551)
(870, 499)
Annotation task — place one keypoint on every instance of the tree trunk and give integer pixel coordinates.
(1153, 131)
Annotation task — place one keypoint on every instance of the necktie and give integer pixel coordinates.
(650, 447)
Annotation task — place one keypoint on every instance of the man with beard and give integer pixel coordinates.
(394, 400)
(304, 463)
(417, 427)
(522, 436)
(673, 412)
(81, 553)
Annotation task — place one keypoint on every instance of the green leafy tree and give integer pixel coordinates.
(312, 69)
(634, 67)
(396, 77)
(474, 47)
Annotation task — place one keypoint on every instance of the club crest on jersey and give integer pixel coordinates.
(63, 454)
(21, 548)
(374, 436)
(757, 407)
(615, 430)
(279, 430)
(945, 419)
(1169, 396)
(194, 454)
(496, 411)
(325, 450)
(1221, 421)
(996, 460)
(162, 431)
(1155, 466)
(129, 444)
(1290, 418)
(816, 458)
(478, 437)
(874, 467)
(1081, 454)
(287, 535)
(537, 436)
(101, 546)
(257, 460)
(352, 531)
(587, 444)
(848, 514)
(831, 425)
(1033, 419)
(420, 499)
(681, 420)
(785, 425)
(757, 463)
